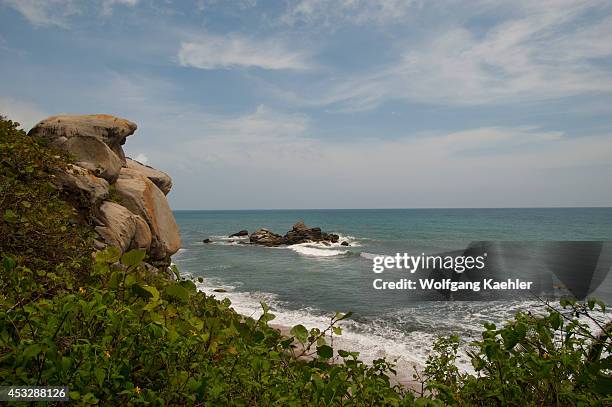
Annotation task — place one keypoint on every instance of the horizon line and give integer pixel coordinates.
(399, 208)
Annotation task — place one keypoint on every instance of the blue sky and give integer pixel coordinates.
(333, 104)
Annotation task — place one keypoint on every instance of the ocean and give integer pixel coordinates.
(306, 284)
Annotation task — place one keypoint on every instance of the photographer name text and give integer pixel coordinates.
(453, 265)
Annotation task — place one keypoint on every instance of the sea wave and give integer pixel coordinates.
(369, 256)
(373, 339)
(409, 351)
(229, 239)
(405, 336)
(351, 240)
(316, 250)
(179, 252)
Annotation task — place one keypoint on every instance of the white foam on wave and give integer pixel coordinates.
(180, 252)
(229, 239)
(316, 250)
(225, 240)
(351, 240)
(369, 256)
(388, 338)
(409, 350)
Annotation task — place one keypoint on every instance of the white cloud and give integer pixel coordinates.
(259, 140)
(267, 158)
(49, 13)
(27, 114)
(107, 5)
(42, 13)
(230, 51)
(331, 12)
(547, 52)
(263, 158)
(206, 5)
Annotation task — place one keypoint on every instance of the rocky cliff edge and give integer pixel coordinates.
(127, 199)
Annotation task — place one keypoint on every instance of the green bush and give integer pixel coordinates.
(38, 228)
(130, 337)
(552, 360)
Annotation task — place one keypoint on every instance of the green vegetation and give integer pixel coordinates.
(551, 360)
(38, 227)
(116, 334)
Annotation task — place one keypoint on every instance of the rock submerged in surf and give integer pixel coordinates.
(300, 233)
(240, 234)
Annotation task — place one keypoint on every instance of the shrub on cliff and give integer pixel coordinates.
(38, 228)
(130, 337)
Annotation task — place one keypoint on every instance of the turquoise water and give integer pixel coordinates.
(308, 283)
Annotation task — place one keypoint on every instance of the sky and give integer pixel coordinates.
(252, 104)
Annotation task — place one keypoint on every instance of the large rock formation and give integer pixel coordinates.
(159, 178)
(300, 233)
(122, 229)
(111, 130)
(75, 180)
(142, 197)
(142, 219)
(95, 140)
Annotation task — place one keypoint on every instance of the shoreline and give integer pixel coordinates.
(406, 380)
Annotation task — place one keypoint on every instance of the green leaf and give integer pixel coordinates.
(175, 271)
(325, 352)
(31, 351)
(133, 257)
(177, 291)
(267, 317)
(153, 291)
(100, 375)
(10, 216)
(172, 335)
(8, 263)
(109, 255)
(300, 332)
(340, 316)
(555, 320)
(189, 286)
(145, 291)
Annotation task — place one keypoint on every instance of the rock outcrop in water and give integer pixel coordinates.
(266, 238)
(126, 198)
(300, 233)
